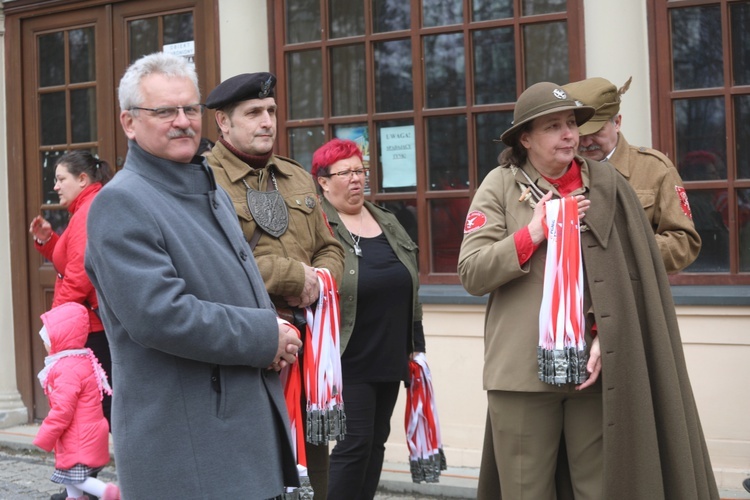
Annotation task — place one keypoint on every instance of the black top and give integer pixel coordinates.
(378, 350)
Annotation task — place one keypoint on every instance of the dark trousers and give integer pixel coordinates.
(356, 461)
(317, 467)
(97, 342)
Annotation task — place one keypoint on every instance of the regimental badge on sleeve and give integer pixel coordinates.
(684, 203)
(474, 220)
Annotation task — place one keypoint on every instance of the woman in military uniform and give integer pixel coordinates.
(623, 408)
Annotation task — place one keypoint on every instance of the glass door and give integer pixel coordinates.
(69, 87)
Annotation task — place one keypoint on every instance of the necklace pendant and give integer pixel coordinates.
(357, 250)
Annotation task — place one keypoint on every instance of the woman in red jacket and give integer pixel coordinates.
(75, 427)
(78, 178)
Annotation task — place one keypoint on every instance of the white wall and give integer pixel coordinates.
(616, 49)
(12, 410)
(243, 37)
(455, 354)
(717, 349)
(716, 345)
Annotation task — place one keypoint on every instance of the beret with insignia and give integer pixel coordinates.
(241, 88)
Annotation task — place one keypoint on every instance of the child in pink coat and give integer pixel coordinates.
(74, 383)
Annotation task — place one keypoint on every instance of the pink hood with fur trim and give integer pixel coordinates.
(67, 326)
(72, 379)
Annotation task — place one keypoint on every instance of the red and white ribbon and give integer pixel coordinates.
(562, 345)
(322, 365)
(322, 381)
(291, 380)
(426, 456)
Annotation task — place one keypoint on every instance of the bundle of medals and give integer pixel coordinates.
(291, 380)
(305, 491)
(561, 353)
(322, 382)
(426, 456)
(326, 420)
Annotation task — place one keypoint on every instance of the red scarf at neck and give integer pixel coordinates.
(254, 162)
(569, 181)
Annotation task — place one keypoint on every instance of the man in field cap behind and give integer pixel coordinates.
(651, 174)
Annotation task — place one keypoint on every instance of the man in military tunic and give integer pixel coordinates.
(277, 205)
(651, 174)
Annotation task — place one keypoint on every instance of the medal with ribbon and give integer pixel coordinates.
(326, 420)
(561, 353)
(426, 456)
(322, 381)
(291, 380)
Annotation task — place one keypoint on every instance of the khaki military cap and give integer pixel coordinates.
(541, 99)
(602, 95)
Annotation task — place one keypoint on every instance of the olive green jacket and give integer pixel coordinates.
(406, 251)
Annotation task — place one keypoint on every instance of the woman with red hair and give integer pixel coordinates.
(381, 316)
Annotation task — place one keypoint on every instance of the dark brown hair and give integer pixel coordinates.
(515, 154)
(81, 161)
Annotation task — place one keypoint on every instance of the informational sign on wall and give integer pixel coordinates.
(184, 49)
(399, 157)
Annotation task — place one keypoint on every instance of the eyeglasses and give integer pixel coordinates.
(359, 172)
(170, 113)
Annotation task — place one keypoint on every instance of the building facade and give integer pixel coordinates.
(424, 87)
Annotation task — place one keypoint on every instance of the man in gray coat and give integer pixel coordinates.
(198, 410)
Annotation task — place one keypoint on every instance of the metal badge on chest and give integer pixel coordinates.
(268, 208)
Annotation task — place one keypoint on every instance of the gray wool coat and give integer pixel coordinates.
(195, 413)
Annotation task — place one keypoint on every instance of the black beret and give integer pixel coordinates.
(241, 88)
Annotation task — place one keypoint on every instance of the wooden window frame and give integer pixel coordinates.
(664, 129)
(279, 49)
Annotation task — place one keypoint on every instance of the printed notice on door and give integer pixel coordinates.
(399, 157)
(184, 49)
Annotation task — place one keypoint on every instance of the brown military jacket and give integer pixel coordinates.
(488, 264)
(308, 239)
(657, 184)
